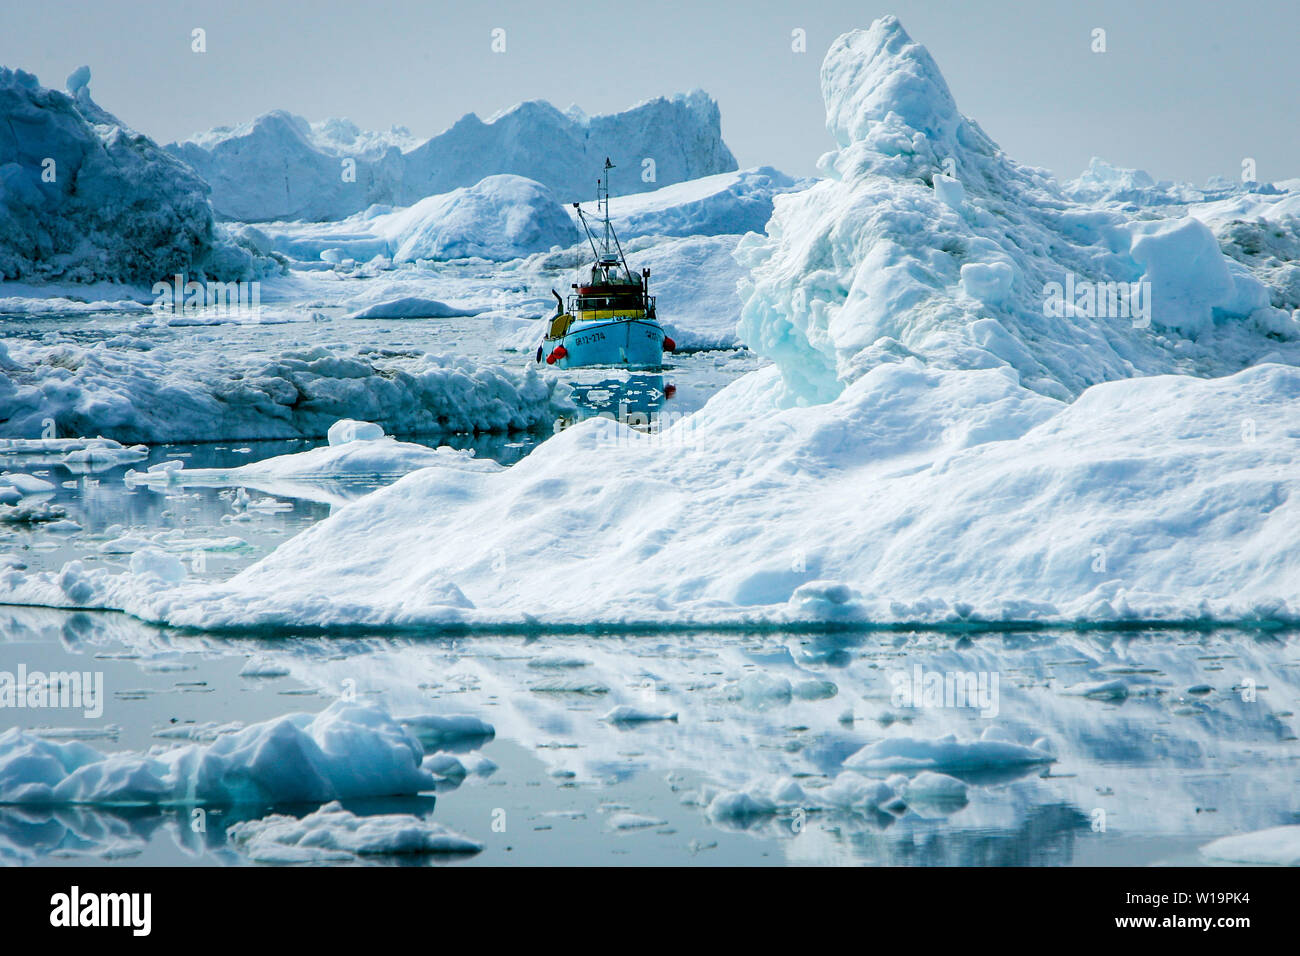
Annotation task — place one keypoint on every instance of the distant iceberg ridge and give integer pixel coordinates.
(281, 167)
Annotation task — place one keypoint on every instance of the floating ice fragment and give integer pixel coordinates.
(333, 834)
(946, 753)
(628, 714)
(1277, 846)
(347, 430)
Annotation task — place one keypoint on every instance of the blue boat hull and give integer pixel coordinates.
(627, 343)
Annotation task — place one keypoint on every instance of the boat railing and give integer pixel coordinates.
(606, 307)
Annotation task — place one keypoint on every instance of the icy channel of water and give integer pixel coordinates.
(1182, 757)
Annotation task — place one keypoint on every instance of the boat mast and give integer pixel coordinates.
(611, 251)
(602, 200)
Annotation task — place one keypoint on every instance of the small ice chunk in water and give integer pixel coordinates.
(446, 766)
(627, 714)
(262, 666)
(634, 821)
(437, 732)
(946, 753)
(938, 790)
(1277, 846)
(27, 484)
(348, 430)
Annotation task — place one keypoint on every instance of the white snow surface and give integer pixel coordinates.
(1095, 512)
(723, 204)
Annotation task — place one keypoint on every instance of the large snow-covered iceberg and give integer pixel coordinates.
(500, 217)
(929, 445)
(1163, 497)
(83, 197)
(279, 166)
(506, 217)
(1257, 224)
(926, 240)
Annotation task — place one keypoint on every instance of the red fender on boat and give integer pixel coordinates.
(669, 344)
(557, 353)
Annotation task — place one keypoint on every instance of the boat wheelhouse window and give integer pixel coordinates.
(631, 300)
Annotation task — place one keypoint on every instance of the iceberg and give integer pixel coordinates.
(334, 835)
(346, 751)
(498, 218)
(723, 204)
(861, 268)
(83, 197)
(947, 753)
(410, 307)
(316, 474)
(177, 393)
(1103, 183)
(280, 167)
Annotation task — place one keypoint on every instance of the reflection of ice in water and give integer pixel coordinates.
(117, 518)
(1145, 777)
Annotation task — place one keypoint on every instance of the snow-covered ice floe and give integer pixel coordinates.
(355, 450)
(333, 835)
(410, 307)
(81, 455)
(1276, 846)
(1141, 500)
(947, 753)
(942, 439)
(348, 750)
(173, 393)
(499, 218)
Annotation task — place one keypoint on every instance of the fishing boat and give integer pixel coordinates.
(609, 318)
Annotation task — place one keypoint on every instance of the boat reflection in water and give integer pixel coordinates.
(638, 401)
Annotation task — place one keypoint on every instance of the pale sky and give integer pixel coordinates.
(1185, 90)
